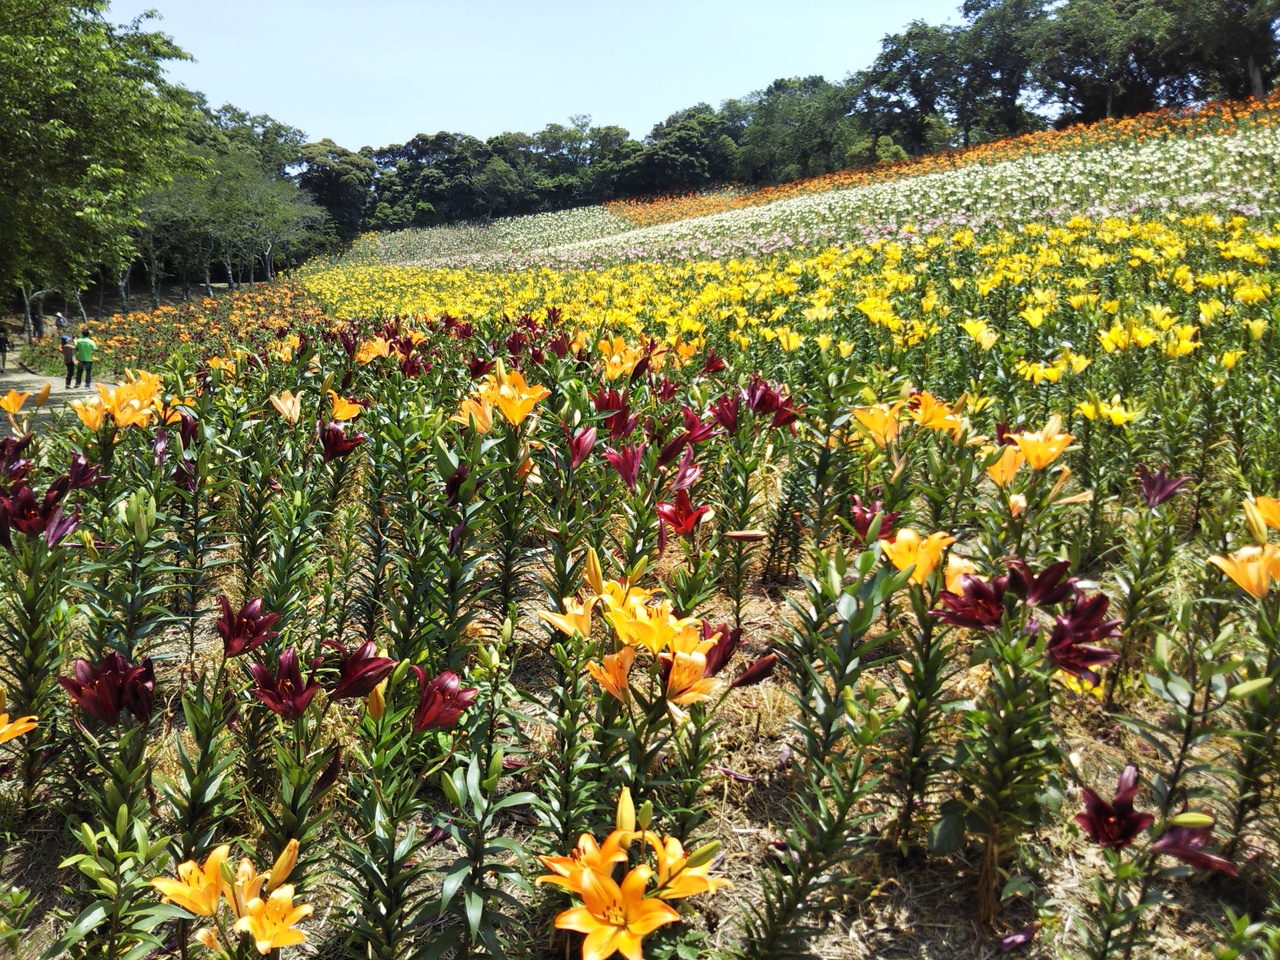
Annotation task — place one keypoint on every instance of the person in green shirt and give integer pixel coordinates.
(84, 356)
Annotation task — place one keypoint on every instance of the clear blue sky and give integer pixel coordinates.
(378, 72)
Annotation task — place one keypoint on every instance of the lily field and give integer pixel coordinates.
(879, 565)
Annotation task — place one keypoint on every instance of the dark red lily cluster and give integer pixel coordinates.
(1116, 825)
(762, 399)
(33, 516)
(115, 685)
(1077, 630)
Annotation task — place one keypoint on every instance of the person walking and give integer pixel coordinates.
(69, 359)
(5, 344)
(84, 354)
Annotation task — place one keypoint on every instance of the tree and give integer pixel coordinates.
(340, 181)
(88, 126)
(1000, 47)
(1232, 45)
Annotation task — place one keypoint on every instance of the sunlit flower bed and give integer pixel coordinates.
(665, 608)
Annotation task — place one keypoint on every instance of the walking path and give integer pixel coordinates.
(16, 378)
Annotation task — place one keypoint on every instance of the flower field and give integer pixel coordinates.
(879, 571)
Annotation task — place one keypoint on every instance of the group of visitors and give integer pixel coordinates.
(77, 353)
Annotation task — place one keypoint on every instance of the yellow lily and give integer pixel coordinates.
(577, 616)
(197, 888)
(908, 548)
(271, 922)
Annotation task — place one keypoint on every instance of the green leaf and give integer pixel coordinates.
(947, 832)
(1249, 687)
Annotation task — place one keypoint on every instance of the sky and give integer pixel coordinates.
(378, 72)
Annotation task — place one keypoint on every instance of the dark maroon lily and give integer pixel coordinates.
(359, 670)
(1046, 589)
(1159, 487)
(687, 473)
(713, 364)
(1187, 844)
(1071, 645)
(14, 466)
(727, 639)
(336, 443)
(478, 368)
(725, 412)
(695, 430)
(1114, 824)
(103, 691)
(284, 692)
(627, 462)
(440, 701)
(620, 422)
(83, 474)
(1005, 433)
(978, 606)
(758, 672)
(664, 388)
(20, 510)
(245, 630)
(682, 517)
(581, 443)
(862, 516)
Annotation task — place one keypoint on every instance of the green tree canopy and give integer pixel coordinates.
(87, 126)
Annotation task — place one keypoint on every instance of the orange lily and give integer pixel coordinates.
(12, 401)
(613, 672)
(1044, 446)
(568, 871)
(516, 399)
(957, 567)
(343, 409)
(1252, 568)
(15, 727)
(616, 917)
(91, 411)
(1006, 466)
(478, 409)
(676, 879)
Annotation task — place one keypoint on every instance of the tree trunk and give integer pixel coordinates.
(153, 277)
(26, 313)
(102, 292)
(208, 287)
(122, 288)
(1255, 78)
(231, 277)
